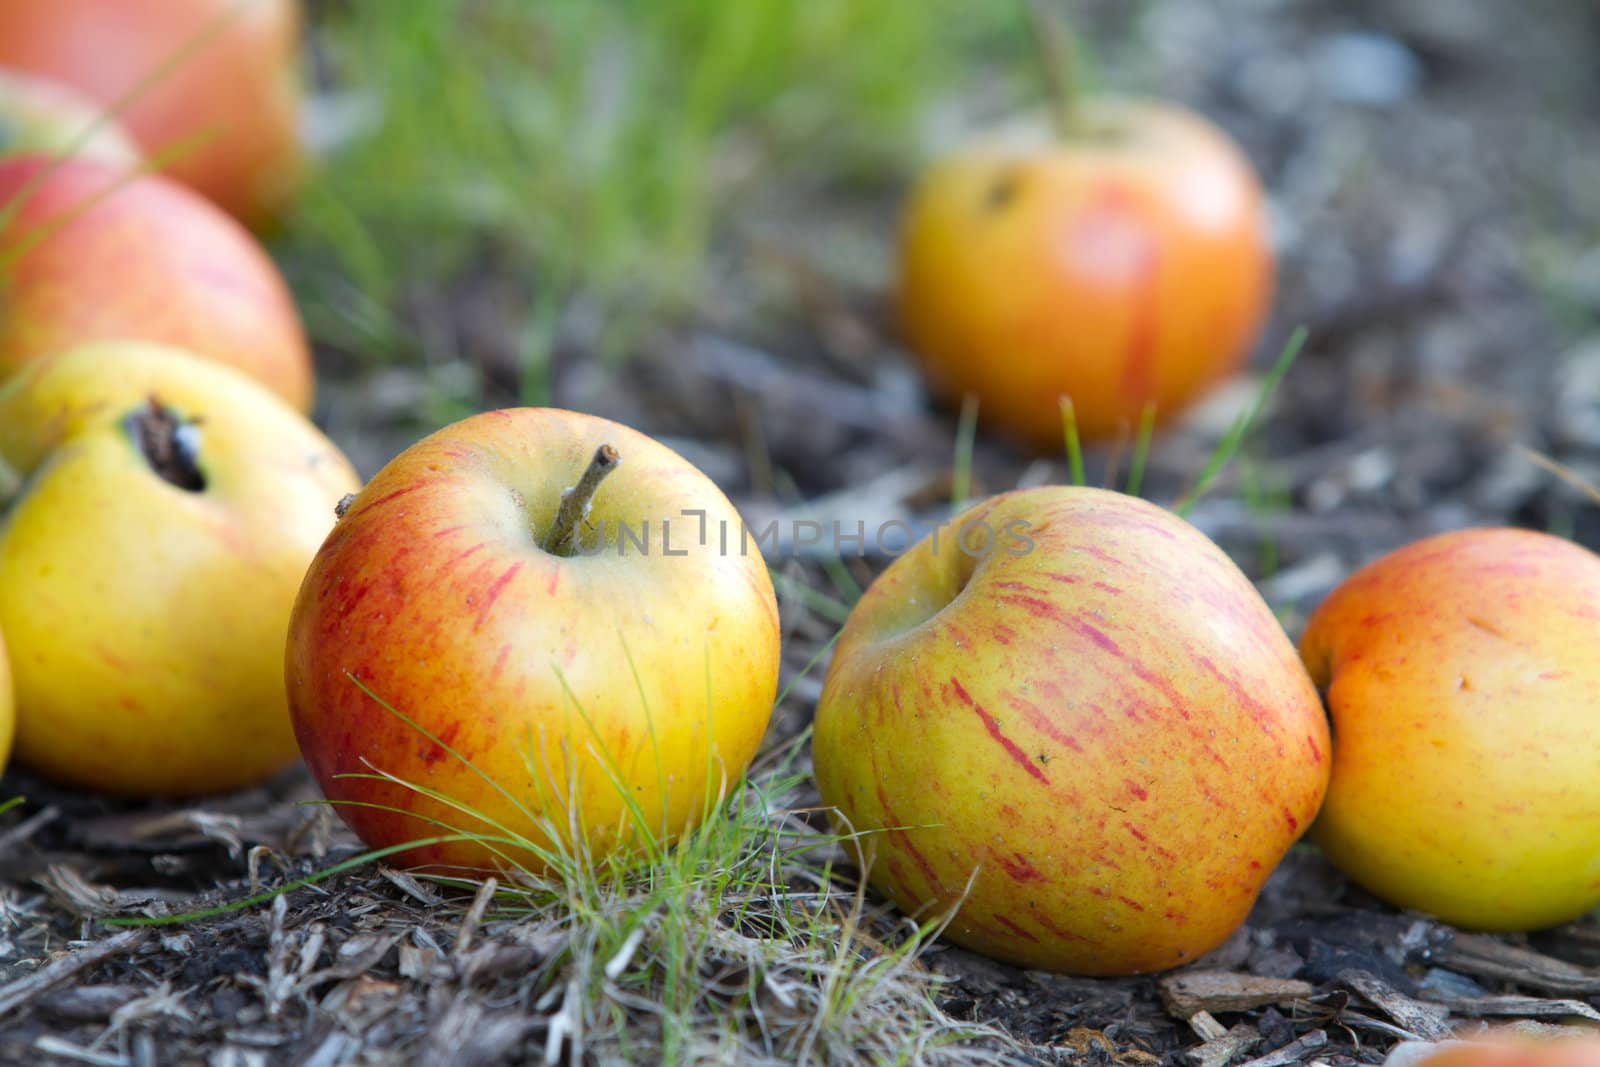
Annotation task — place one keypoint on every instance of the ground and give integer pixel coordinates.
(1435, 174)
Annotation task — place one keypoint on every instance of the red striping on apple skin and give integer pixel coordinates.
(1018, 867)
(1040, 721)
(1017, 755)
(1039, 609)
(898, 835)
(1014, 928)
(1138, 381)
(1057, 932)
(447, 531)
(1090, 687)
(398, 493)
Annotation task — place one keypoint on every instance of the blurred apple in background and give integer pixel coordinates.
(1125, 264)
(1092, 735)
(158, 515)
(1500, 1049)
(1462, 673)
(221, 108)
(43, 117)
(87, 254)
(568, 679)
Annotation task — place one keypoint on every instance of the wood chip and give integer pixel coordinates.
(1205, 1026)
(1523, 1007)
(1222, 1050)
(1192, 992)
(1294, 1052)
(1488, 957)
(1417, 1018)
(23, 991)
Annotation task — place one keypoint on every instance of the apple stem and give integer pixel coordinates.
(575, 502)
(168, 446)
(1058, 57)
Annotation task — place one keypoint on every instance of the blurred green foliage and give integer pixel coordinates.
(596, 146)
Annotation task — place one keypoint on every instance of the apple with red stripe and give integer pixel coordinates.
(1069, 717)
(88, 253)
(1464, 685)
(208, 87)
(550, 595)
(1124, 263)
(1502, 1048)
(46, 117)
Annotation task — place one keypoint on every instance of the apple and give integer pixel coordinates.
(1070, 719)
(157, 512)
(207, 87)
(89, 254)
(40, 116)
(640, 659)
(1501, 1050)
(1125, 266)
(1463, 679)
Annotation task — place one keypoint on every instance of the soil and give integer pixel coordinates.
(1435, 173)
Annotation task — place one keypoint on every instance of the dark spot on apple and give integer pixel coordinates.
(1002, 190)
(169, 443)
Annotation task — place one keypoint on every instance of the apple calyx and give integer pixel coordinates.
(169, 443)
(575, 502)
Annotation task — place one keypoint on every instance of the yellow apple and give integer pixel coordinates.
(158, 513)
(1462, 673)
(635, 669)
(1070, 715)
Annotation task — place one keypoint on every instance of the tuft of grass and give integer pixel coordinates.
(739, 941)
(588, 154)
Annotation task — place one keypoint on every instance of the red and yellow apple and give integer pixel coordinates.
(1126, 266)
(88, 254)
(207, 87)
(43, 117)
(586, 698)
(1462, 673)
(157, 512)
(1508, 1050)
(1071, 719)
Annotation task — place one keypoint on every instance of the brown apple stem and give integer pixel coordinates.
(575, 502)
(158, 431)
(10, 483)
(1058, 58)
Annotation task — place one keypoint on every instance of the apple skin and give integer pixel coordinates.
(1128, 266)
(223, 119)
(1462, 673)
(1516, 1051)
(44, 117)
(148, 261)
(146, 622)
(1109, 735)
(434, 592)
